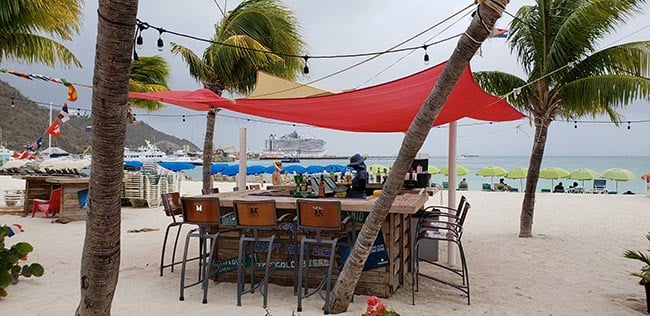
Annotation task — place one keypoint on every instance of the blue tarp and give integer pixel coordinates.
(176, 165)
(315, 169)
(218, 167)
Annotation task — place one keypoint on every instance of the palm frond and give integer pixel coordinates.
(55, 17)
(625, 59)
(33, 48)
(150, 70)
(199, 70)
(501, 83)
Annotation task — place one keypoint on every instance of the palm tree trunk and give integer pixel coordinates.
(413, 140)
(528, 206)
(208, 148)
(100, 261)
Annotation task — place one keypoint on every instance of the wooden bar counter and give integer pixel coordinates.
(396, 232)
(40, 187)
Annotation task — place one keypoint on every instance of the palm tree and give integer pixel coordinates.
(23, 23)
(255, 24)
(100, 261)
(568, 77)
(413, 140)
(148, 74)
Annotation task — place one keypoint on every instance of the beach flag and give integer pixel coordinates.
(54, 129)
(64, 116)
(36, 145)
(23, 154)
(15, 229)
(72, 92)
(500, 33)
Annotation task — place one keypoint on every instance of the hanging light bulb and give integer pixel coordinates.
(13, 102)
(138, 40)
(575, 124)
(426, 55)
(160, 41)
(78, 112)
(628, 125)
(306, 69)
(183, 117)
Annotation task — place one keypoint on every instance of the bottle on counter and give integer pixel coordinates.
(378, 176)
(348, 175)
(321, 187)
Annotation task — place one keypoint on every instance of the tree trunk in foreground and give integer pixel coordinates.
(413, 140)
(528, 206)
(100, 261)
(208, 148)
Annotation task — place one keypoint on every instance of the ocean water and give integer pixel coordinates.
(637, 165)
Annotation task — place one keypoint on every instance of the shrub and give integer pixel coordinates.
(10, 268)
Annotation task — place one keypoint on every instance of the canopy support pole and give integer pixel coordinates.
(451, 180)
(241, 179)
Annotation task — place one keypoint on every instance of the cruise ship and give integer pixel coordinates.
(293, 145)
(145, 153)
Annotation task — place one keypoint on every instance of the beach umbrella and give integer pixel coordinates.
(315, 169)
(491, 171)
(176, 166)
(583, 174)
(133, 163)
(518, 173)
(255, 169)
(231, 170)
(217, 167)
(433, 170)
(294, 168)
(460, 170)
(269, 169)
(335, 168)
(618, 174)
(553, 173)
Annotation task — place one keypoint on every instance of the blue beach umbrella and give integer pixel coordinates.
(255, 169)
(217, 167)
(335, 168)
(315, 169)
(231, 170)
(133, 163)
(294, 168)
(176, 165)
(269, 169)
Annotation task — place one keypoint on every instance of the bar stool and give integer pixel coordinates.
(254, 219)
(204, 212)
(172, 207)
(320, 223)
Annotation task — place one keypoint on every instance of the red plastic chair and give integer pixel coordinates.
(49, 207)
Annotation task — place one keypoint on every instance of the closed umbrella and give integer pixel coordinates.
(583, 174)
(460, 170)
(618, 174)
(553, 173)
(518, 173)
(491, 171)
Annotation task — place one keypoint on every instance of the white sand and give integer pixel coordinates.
(573, 265)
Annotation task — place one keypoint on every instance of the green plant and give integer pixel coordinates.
(10, 268)
(645, 258)
(377, 308)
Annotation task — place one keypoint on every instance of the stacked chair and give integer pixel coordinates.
(431, 227)
(319, 222)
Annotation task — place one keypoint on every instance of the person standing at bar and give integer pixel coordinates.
(358, 187)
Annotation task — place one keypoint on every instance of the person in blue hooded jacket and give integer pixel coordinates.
(358, 187)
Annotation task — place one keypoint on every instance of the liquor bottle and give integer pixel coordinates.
(348, 175)
(378, 176)
(371, 177)
(321, 187)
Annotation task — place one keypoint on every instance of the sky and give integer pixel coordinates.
(342, 27)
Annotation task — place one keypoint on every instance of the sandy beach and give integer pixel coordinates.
(573, 265)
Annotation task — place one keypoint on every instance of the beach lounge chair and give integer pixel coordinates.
(49, 207)
(462, 187)
(486, 187)
(600, 186)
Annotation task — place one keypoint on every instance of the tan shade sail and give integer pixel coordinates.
(269, 86)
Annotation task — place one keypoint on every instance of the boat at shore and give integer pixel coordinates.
(147, 152)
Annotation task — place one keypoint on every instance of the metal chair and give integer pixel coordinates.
(203, 211)
(172, 207)
(320, 223)
(255, 219)
(431, 228)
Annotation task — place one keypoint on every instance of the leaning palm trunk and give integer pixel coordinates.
(101, 253)
(528, 206)
(413, 140)
(207, 149)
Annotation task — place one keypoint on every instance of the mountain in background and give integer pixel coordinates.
(25, 121)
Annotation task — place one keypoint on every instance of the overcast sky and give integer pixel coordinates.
(338, 27)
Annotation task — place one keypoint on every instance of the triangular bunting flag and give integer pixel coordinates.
(64, 116)
(72, 92)
(54, 129)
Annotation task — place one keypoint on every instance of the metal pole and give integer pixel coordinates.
(49, 136)
(451, 192)
(241, 180)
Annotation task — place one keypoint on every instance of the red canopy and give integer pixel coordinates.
(388, 107)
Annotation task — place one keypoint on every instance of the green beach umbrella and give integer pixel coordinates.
(491, 171)
(518, 173)
(460, 170)
(618, 174)
(553, 173)
(583, 174)
(433, 170)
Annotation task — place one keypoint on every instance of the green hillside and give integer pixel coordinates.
(26, 121)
